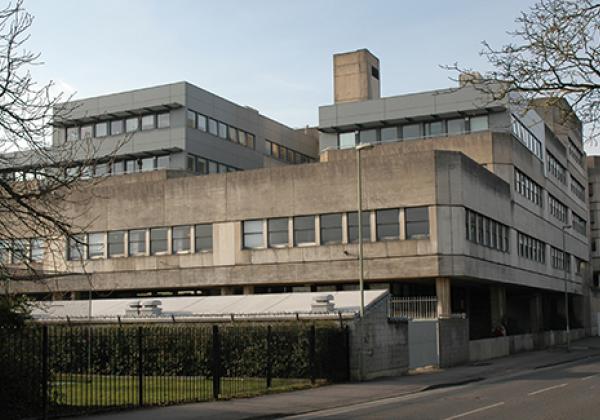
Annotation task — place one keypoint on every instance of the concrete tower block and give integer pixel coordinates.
(355, 76)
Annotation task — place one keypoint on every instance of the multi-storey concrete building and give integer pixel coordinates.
(467, 198)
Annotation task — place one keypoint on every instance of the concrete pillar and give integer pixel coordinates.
(442, 290)
(536, 313)
(248, 290)
(498, 305)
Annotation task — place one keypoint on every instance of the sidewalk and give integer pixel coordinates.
(275, 405)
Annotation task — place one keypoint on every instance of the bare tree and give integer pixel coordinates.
(38, 180)
(555, 54)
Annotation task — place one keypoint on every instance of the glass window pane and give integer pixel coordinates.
(353, 226)
(457, 126)
(158, 240)
(233, 136)
(132, 124)
(201, 166)
(76, 247)
(116, 243)
(20, 250)
(368, 136)
(162, 162)
(435, 128)
(417, 223)
(148, 122)
(116, 127)
(242, 137)
(222, 168)
(147, 164)
(213, 127)
(388, 224)
(278, 231)
(411, 131)
(102, 129)
(250, 140)
(190, 119)
(203, 238)
(331, 228)
(347, 140)
(163, 120)
(137, 242)
(96, 245)
(182, 239)
(253, 233)
(479, 123)
(37, 250)
(222, 130)
(389, 133)
(201, 122)
(304, 230)
(87, 132)
(72, 133)
(212, 167)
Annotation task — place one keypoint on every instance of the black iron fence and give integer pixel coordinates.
(60, 370)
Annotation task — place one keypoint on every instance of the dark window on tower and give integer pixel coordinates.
(375, 72)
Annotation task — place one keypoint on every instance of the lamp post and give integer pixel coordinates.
(361, 283)
(567, 328)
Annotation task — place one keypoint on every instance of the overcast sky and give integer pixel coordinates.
(275, 56)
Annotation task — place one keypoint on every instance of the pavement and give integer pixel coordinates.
(390, 395)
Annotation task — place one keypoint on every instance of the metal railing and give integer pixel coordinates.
(418, 307)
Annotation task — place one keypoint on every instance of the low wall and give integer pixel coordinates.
(490, 348)
(453, 336)
(378, 346)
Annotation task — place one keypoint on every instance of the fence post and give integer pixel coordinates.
(312, 354)
(216, 368)
(45, 375)
(140, 367)
(269, 358)
(347, 339)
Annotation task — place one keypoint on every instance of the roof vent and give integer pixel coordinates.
(322, 303)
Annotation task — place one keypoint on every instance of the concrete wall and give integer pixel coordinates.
(453, 341)
(378, 347)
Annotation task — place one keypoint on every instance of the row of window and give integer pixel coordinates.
(557, 170)
(414, 131)
(577, 155)
(286, 154)
(118, 126)
(577, 189)
(275, 232)
(531, 248)
(203, 166)
(557, 209)
(138, 242)
(526, 137)
(579, 224)
(219, 129)
(560, 259)
(528, 188)
(16, 251)
(485, 231)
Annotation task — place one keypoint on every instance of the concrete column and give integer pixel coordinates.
(497, 304)
(535, 313)
(442, 290)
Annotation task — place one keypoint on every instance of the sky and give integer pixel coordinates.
(275, 56)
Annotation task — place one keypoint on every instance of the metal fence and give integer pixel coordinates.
(419, 307)
(75, 369)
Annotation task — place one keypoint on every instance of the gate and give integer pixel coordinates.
(423, 349)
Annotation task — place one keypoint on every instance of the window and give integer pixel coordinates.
(275, 150)
(531, 248)
(147, 164)
(132, 166)
(222, 168)
(579, 224)
(242, 137)
(353, 226)
(222, 130)
(367, 136)
(331, 228)
(182, 239)
(484, 231)
(575, 153)
(190, 119)
(388, 224)
(159, 240)
(560, 260)
(417, 222)
(389, 133)
(375, 72)
(4, 249)
(556, 169)
(148, 122)
(116, 243)
(346, 140)
(212, 167)
(162, 162)
(37, 250)
(137, 242)
(96, 245)
(528, 188)
(457, 126)
(525, 136)
(163, 120)
(411, 131)
(87, 132)
(577, 189)
(72, 133)
(557, 209)
(20, 250)
(213, 127)
(233, 134)
(204, 239)
(102, 129)
(278, 232)
(434, 129)
(201, 166)
(478, 123)
(132, 124)
(202, 122)
(250, 140)
(304, 230)
(253, 234)
(116, 127)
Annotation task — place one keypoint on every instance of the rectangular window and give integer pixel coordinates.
(213, 127)
(182, 239)
(148, 122)
(72, 133)
(485, 231)
(253, 234)
(275, 150)
(190, 119)
(346, 140)
(132, 166)
(233, 134)
(116, 127)
(20, 251)
(389, 133)
(556, 169)
(101, 129)
(202, 122)
(132, 124)
(411, 131)
(557, 209)
(579, 224)
(204, 238)
(434, 129)
(148, 164)
(478, 123)
(116, 243)
(159, 240)
(222, 130)
(137, 242)
(304, 230)
(528, 188)
(96, 245)
(278, 232)
(162, 162)
(212, 167)
(417, 222)
(353, 226)
(531, 248)
(163, 120)
(201, 166)
(388, 224)
(457, 126)
(242, 139)
(37, 247)
(250, 140)
(331, 228)
(367, 136)
(87, 132)
(577, 189)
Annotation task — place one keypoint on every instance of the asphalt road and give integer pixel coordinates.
(570, 391)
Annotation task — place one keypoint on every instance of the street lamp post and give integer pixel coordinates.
(567, 327)
(361, 284)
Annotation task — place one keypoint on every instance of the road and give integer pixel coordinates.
(565, 391)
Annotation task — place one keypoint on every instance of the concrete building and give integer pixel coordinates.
(474, 200)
